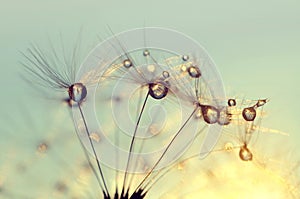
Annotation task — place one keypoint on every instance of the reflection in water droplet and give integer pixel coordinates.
(127, 63)
(166, 74)
(158, 90)
(245, 154)
(261, 102)
(210, 114)
(194, 71)
(225, 117)
(231, 102)
(185, 57)
(249, 113)
(146, 53)
(77, 92)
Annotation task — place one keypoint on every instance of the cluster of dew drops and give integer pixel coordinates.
(170, 80)
(210, 114)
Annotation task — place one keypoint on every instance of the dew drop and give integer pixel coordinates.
(146, 53)
(261, 102)
(185, 57)
(231, 102)
(194, 71)
(77, 92)
(210, 114)
(225, 117)
(158, 90)
(249, 113)
(127, 63)
(166, 74)
(245, 154)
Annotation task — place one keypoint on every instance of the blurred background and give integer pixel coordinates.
(255, 45)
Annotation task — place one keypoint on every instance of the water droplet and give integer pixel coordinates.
(210, 114)
(166, 74)
(77, 92)
(127, 63)
(185, 57)
(231, 102)
(194, 71)
(158, 90)
(245, 154)
(146, 53)
(225, 117)
(261, 102)
(249, 113)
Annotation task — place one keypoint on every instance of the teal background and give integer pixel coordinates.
(255, 45)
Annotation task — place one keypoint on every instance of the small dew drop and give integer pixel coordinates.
(166, 74)
(194, 71)
(245, 154)
(146, 53)
(77, 92)
(185, 57)
(231, 102)
(127, 63)
(158, 90)
(249, 113)
(210, 114)
(261, 102)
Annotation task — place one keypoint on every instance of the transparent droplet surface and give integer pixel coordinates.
(249, 113)
(77, 92)
(194, 71)
(146, 53)
(185, 57)
(225, 117)
(158, 90)
(231, 102)
(245, 154)
(166, 74)
(127, 63)
(210, 114)
(261, 102)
